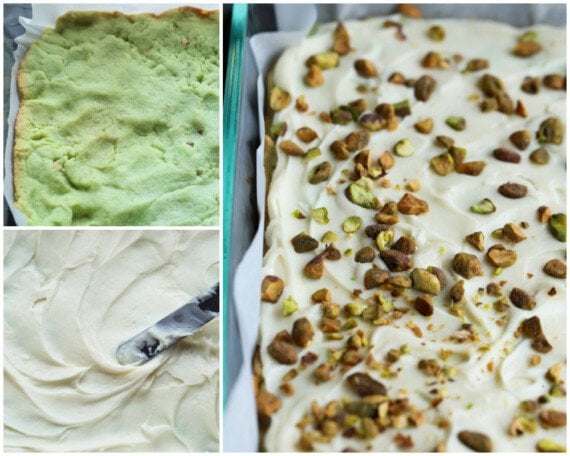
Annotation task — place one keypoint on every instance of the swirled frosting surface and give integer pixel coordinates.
(70, 299)
(493, 375)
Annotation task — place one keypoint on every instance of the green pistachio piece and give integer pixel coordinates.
(360, 193)
(278, 129)
(375, 173)
(425, 281)
(290, 306)
(550, 446)
(329, 237)
(384, 240)
(527, 36)
(325, 60)
(485, 206)
(558, 226)
(279, 99)
(436, 33)
(550, 130)
(354, 308)
(320, 215)
(386, 305)
(320, 173)
(456, 122)
(442, 164)
(404, 148)
(351, 224)
(312, 154)
(402, 108)
(298, 214)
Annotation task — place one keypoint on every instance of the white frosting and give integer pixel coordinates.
(70, 299)
(439, 234)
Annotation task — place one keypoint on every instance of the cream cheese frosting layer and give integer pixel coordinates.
(492, 375)
(70, 299)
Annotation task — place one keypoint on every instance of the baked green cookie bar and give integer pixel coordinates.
(118, 121)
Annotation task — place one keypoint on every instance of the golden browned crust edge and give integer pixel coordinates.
(16, 153)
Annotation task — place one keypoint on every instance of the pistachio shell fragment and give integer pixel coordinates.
(320, 173)
(425, 281)
(404, 148)
(364, 385)
(360, 193)
(467, 265)
(411, 205)
(320, 215)
(279, 99)
(271, 288)
(485, 206)
(456, 122)
(557, 224)
(351, 224)
(551, 131)
(477, 441)
(442, 164)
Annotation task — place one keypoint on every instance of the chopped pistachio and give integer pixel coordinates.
(513, 190)
(375, 277)
(489, 104)
(436, 33)
(402, 108)
(365, 255)
(473, 168)
(555, 268)
(477, 65)
(491, 85)
(543, 213)
(512, 233)
(395, 260)
(521, 299)
(526, 48)
(424, 87)
(322, 295)
(267, 403)
(271, 288)
(424, 126)
(360, 193)
(424, 305)
(522, 425)
(485, 206)
(476, 441)
(550, 130)
(351, 224)
(457, 291)
(442, 164)
(540, 156)
(501, 257)
(278, 129)
(304, 243)
(411, 205)
(339, 148)
(384, 240)
(314, 77)
(405, 245)
(302, 332)
(432, 60)
(557, 224)
(341, 115)
(315, 268)
(290, 148)
(279, 99)
(290, 306)
(552, 419)
(365, 68)
(282, 351)
(329, 237)
(444, 141)
(467, 265)
(386, 160)
(306, 134)
(554, 81)
(341, 40)
(364, 385)
(397, 78)
(550, 446)
(298, 214)
(477, 240)
(507, 155)
(320, 173)
(520, 139)
(372, 122)
(530, 85)
(425, 281)
(324, 60)
(320, 215)
(456, 122)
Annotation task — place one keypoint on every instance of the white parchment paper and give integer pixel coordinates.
(45, 16)
(240, 416)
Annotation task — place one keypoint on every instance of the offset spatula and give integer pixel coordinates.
(165, 333)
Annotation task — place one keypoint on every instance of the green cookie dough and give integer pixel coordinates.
(118, 121)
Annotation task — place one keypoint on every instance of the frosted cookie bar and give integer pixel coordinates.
(414, 281)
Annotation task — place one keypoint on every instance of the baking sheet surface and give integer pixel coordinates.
(45, 16)
(294, 22)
